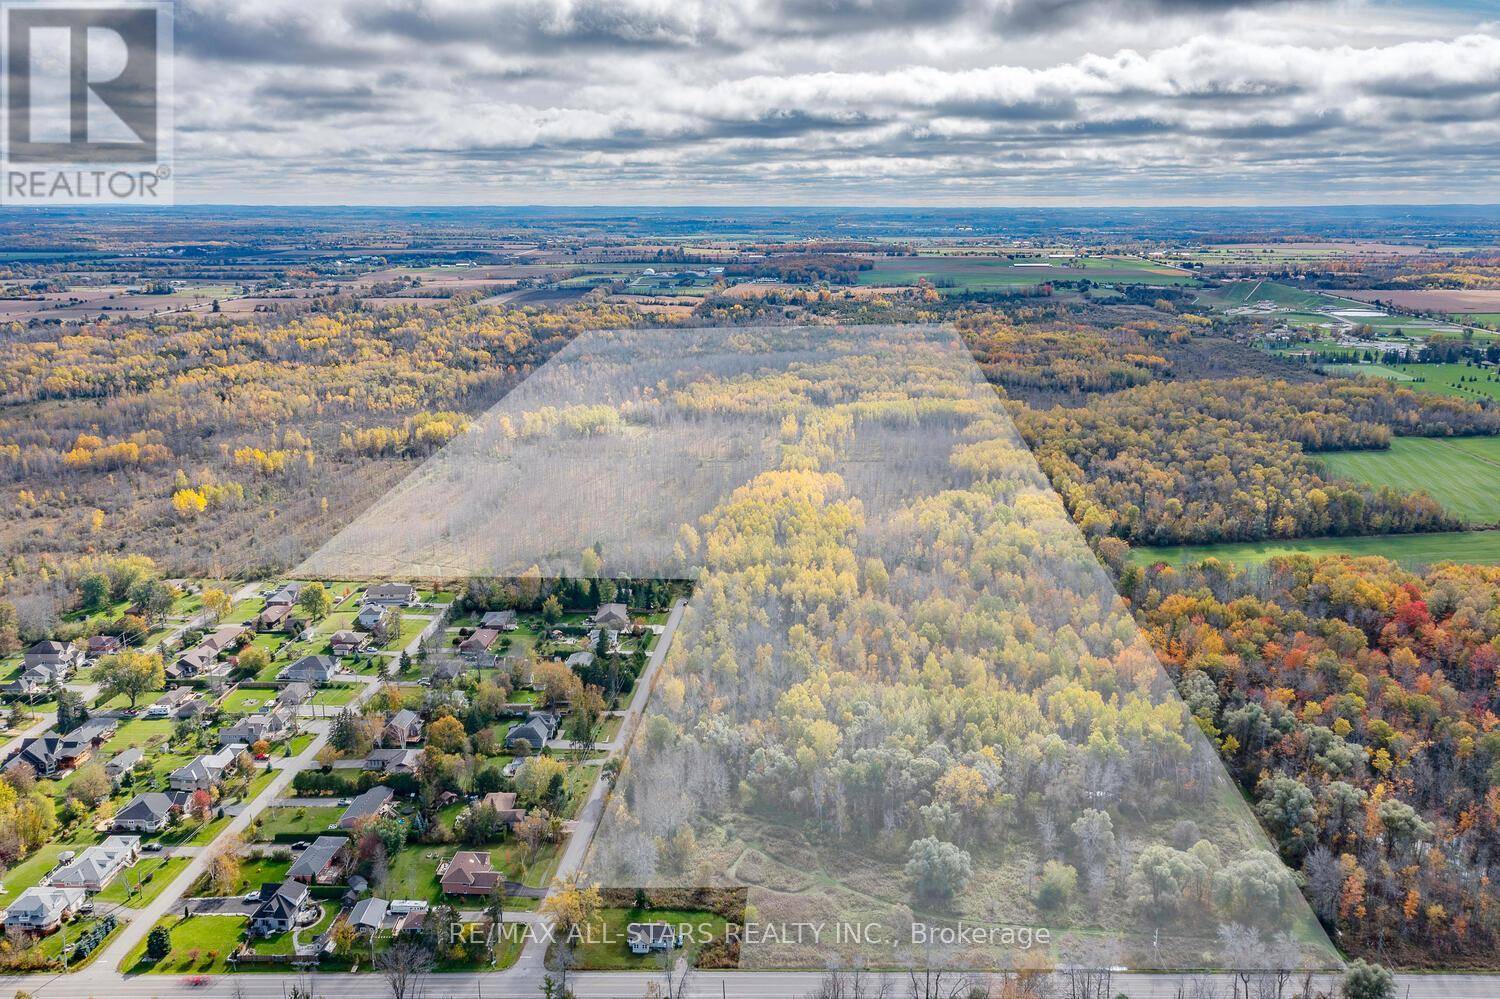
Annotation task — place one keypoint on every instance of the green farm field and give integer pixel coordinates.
(1481, 547)
(1463, 474)
(957, 273)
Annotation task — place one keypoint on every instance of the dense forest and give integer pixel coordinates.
(1227, 460)
(229, 447)
(1358, 703)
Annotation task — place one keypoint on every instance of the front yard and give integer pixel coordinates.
(200, 945)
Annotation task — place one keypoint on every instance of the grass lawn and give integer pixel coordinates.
(298, 821)
(144, 732)
(160, 870)
(336, 697)
(1458, 380)
(28, 872)
(52, 945)
(1367, 371)
(1482, 547)
(414, 872)
(199, 946)
(254, 872)
(1462, 474)
(604, 945)
(247, 702)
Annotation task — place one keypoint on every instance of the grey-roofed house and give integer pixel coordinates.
(52, 654)
(394, 760)
(580, 660)
(536, 730)
(369, 805)
(295, 694)
(145, 813)
(500, 620)
(347, 643)
(321, 862)
(42, 909)
(123, 762)
(391, 594)
(314, 670)
(368, 915)
(615, 616)
(643, 938)
(279, 905)
(285, 595)
(404, 727)
(269, 725)
(371, 616)
(203, 772)
(96, 867)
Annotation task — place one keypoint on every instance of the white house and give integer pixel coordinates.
(42, 909)
(202, 773)
(97, 866)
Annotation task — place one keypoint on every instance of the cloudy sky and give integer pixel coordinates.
(842, 102)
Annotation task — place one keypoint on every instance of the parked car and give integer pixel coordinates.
(252, 896)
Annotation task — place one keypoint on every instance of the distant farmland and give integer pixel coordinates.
(1440, 379)
(1435, 300)
(1410, 550)
(1461, 473)
(962, 273)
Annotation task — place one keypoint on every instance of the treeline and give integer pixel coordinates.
(808, 268)
(1070, 357)
(1357, 703)
(1208, 461)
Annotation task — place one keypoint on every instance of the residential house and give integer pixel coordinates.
(278, 909)
(645, 938)
(269, 725)
(314, 670)
(103, 645)
(51, 655)
(285, 618)
(536, 730)
(404, 727)
(470, 872)
(285, 595)
(203, 658)
(94, 868)
(294, 695)
(501, 620)
(480, 642)
(392, 761)
(43, 909)
(368, 915)
(450, 669)
(614, 616)
(371, 616)
(504, 804)
(37, 681)
(50, 753)
(391, 594)
(173, 704)
(123, 762)
(203, 772)
(145, 813)
(347, 643)
(322, 862)
(611, 640)
(370, 805)
(580, 660)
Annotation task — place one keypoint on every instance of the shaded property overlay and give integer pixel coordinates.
(905, 715)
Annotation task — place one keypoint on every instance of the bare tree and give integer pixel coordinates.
(852, 983)
(674, 975)
(405, 966)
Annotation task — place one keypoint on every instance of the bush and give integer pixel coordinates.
(158, 943)
(1058, 883)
